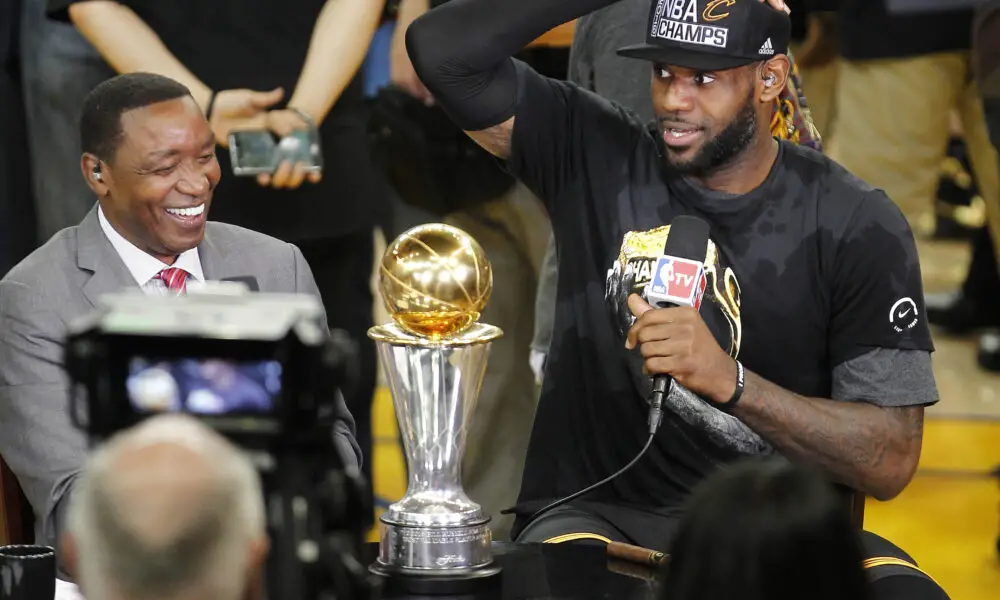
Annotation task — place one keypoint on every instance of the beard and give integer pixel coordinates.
(723, 148)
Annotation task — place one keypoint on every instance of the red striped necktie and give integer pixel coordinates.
(174, 278)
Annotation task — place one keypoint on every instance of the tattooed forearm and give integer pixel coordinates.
(496, 139)
(869, 448)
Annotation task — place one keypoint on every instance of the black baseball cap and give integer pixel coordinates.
(712, 35)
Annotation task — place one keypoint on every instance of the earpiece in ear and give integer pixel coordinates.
(96, 175)
(770, 80)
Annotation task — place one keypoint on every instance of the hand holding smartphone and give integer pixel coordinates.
(256, 152)
(282, 152)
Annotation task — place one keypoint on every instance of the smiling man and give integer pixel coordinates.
(813, 282)
(149, 157)
(153, 167)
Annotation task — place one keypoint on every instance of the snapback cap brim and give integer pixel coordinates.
(682, 57)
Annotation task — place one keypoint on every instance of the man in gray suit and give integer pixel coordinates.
(149, 156)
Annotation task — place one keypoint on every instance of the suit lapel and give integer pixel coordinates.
(216, 260)
(96, 254)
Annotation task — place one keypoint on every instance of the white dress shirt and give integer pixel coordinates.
(144, 267)
(67, 591)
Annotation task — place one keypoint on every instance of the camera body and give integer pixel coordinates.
(256, 367)
(261, 370)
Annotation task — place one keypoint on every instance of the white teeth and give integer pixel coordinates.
(680, 132)
(187, 212)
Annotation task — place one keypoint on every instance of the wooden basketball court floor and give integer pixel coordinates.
(948, 518)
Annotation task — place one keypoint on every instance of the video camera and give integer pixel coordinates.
(261, 370)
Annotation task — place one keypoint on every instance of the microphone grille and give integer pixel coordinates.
(688, 238)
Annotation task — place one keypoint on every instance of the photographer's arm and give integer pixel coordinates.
(340, 41)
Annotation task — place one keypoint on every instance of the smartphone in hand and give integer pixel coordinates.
(256, 151)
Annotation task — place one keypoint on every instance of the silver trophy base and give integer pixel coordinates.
(436, 560)
(436, 549)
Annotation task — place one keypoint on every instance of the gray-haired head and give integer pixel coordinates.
(168, 510)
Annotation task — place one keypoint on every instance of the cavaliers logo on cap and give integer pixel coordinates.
(714, 10)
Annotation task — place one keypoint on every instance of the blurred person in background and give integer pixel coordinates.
(510, 224)
(901, 78)
(17, 227)
(974, 306)
(958, 208)
(279, 65)
(167, 510)
(768, 529)
(814, 37)
(59, 68)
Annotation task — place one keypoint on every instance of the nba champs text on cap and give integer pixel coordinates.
(712, 34)
(678, 20)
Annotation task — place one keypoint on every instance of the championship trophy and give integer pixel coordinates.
(435, 281)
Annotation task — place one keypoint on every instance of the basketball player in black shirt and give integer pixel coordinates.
(813, 280)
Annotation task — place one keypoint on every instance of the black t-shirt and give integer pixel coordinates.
(262, 45)
(868, 31)
(809, 271)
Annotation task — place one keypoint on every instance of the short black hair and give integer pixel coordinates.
(766, 529)
(101, 119)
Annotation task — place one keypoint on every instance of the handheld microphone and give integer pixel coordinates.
(678, 280)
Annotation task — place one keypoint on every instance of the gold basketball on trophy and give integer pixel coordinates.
(435, 280)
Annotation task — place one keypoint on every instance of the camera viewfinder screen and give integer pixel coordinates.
(203, 386)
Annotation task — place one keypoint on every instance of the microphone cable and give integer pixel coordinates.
(660, 385)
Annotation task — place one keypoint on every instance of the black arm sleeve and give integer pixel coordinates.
(462, 52)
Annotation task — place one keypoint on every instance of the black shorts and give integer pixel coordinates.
(599, 523)
(894, 573)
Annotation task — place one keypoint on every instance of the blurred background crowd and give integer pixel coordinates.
(908, 102)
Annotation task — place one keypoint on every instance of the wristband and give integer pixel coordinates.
(739, 389)
(210, 106)
(304, 116)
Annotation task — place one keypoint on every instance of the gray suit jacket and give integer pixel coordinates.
(63, 280)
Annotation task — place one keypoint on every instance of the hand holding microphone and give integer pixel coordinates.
(676, 342)
(673, 339)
